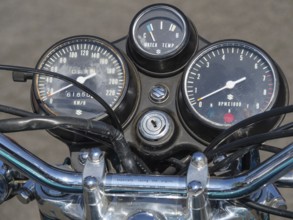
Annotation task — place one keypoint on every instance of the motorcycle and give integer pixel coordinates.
(185, 122)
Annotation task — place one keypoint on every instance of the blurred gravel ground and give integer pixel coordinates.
(29, 27)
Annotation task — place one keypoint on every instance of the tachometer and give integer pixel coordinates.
(229, 81)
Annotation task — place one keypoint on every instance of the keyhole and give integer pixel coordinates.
(154, 123)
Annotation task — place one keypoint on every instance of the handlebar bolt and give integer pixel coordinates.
(23, 196)
(26, 194)
(90, 183)
(197, 201)
(95, 155)
(194, 187)
(199, 160)
(83, 155)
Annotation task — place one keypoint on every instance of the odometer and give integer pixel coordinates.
(90, 61)
(229, 81)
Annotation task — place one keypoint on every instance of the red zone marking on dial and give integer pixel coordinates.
(229, 118)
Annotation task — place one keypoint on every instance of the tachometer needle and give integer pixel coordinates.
(229, 85)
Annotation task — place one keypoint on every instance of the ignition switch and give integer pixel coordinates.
(155, 126)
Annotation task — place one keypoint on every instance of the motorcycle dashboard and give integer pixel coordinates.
(171, 89)
(173, 85)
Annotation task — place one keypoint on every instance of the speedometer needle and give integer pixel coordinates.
(229, 85)
(80, 79)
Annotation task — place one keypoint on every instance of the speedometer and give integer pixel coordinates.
(90, 61)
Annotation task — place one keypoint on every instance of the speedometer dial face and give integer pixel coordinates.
(92, 62)
(230, 81)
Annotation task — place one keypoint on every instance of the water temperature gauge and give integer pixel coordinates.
(161, 38)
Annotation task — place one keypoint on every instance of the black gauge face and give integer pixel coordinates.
(230, 81)
(159, 31)
(91, 62)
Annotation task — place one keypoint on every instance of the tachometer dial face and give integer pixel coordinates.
(159, 31)
(229, 81)
(92, 62)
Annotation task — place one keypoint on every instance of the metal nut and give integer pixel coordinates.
(95, 155)
(199, 160)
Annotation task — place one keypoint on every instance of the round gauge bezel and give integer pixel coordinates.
(71, 41)
(137, 21)
(220, 44)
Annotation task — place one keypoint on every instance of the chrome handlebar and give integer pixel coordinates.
(34, 168)
(275, 169)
